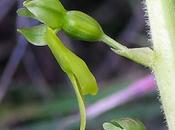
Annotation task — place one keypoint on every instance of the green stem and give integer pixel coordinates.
(142, 55)
(80, 102)
(161, 15)
(112, 43)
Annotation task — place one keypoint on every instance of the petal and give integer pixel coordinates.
(50, 12)
(35, 35)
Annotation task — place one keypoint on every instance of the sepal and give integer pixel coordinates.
(35, 35)
(49, 12)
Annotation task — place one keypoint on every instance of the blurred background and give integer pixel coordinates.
(36, 95)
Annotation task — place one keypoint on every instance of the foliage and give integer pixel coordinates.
(124, 124)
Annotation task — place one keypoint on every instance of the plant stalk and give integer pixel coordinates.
(80, 102)
(161, 14)
(112, 43)
(142, 55)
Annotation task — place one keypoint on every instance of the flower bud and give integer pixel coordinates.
(81, 26)
(49, 12)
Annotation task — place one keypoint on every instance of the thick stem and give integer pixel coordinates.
(161, 18)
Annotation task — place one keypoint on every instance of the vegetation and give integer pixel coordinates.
(78, 25)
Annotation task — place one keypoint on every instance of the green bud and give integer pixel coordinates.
(82, 27)
(49, 12)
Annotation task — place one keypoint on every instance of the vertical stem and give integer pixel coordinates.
(80, 102)
(161, 15)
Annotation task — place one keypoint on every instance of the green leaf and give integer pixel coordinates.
(110, 126)
(50, 12)
(144, 55)
(72, 64)
(124, 124)
(25, 12)
(35, 35)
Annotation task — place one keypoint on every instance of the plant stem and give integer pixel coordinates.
(161, 17)
(112, 43)
(80, 102)
(142, 55)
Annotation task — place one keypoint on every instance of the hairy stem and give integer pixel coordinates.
(161, 18)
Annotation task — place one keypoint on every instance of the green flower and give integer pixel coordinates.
(82, 79)
(52, 13)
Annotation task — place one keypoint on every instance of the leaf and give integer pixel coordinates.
(25, 12)
(124, 124)
(50, 12)
(110, 126)
(72, 64)
(35, 35)
(142, 56)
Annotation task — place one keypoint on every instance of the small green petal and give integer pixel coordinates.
(50, 12)
(25, 12)
(35, 35)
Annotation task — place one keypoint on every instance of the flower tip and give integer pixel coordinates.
(26, 3)
(95, 91)
(18, 11)
(19, 30)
